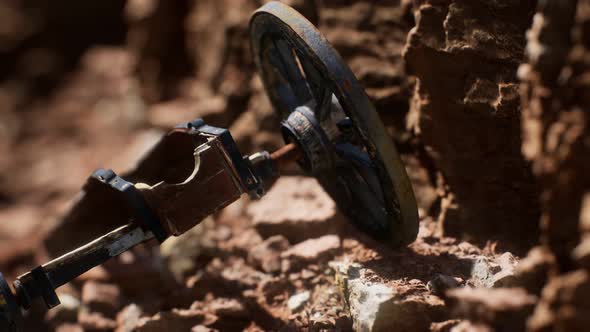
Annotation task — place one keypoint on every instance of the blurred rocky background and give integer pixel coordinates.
(485, 99)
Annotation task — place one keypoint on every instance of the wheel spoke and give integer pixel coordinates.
(284, 60)
(364, 166)
(319, 88)
(375, 217)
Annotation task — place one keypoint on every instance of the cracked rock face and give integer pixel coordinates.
(466, 110)
(555, 120)
(555, 127)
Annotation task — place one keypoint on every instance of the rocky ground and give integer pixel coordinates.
(288, 262)
(486, 100)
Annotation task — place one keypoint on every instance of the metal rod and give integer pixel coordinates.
(286, 155)
(72, 264)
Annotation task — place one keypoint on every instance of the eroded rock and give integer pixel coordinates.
(128, 318)
(564, 304)
(175, 320)
(467, 326)
(376, 306)
(242, 243)
(312, 250)
(68, 327)
(181, 253)
(466, 64)
(441, 283)
(532, 272)
(101, 297)
(298, 301)
(267, 255)
(295, 207)
(504, 309)
(228, 308)
(95, 321)
(66, 312)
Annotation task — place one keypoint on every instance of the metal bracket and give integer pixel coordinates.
(241, 163)
(143, 213)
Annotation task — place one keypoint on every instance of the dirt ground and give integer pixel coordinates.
(486, 100)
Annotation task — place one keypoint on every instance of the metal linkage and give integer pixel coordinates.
(43, 280)
(198, 171)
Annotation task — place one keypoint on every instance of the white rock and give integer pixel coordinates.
(298, 301)
(376, 307)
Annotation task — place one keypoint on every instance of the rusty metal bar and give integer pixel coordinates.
(42, 281)
(286, 155)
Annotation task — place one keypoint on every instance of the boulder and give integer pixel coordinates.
(295, 207)
(101, 297)
(381, 306)
(466, 64)
(267, 255)
(312, 250)
(503, 309)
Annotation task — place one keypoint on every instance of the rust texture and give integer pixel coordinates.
(286, 155)
(211, 184)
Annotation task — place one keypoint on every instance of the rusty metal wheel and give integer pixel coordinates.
(327, 113)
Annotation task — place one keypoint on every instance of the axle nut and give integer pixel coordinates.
(302, 128)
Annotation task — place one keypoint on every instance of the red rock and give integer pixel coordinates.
(66, 312)
(230, 277)
(471, 327)
(21, 234)
(312, 250)
(532, 271)
(103, 298)
(267, 255)
(241, 275)
(175, 320)
(125, 275)
(386, 305)
(242, 243)
(68, 327)
(202, 328)
(181, 253)
(295, 207)
(504, 309)
(581, 254)
(275, 289)
(440, 283)
(167, 115)
(445, 326)
(564, 304)
(232, 314)
(454, 92)
(256, 129)
(128, 318)
(228, 308)
(95, 321)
